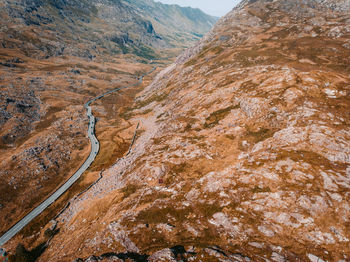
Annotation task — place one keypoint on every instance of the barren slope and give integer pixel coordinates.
(43, 125)
(54, 55)
(44, 28)
(245, 149)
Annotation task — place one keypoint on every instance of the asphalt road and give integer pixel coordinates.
(95, 147)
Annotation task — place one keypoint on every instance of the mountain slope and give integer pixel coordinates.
(244, 151)
(90, 28)
(185, 21)
(54, 56)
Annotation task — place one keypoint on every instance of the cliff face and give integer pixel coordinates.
(243, 152)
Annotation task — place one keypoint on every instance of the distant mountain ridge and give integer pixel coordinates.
(84, 28)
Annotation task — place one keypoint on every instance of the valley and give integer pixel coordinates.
(50, 67)
(234, 149)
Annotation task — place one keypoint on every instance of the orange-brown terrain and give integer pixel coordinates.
(242, 154)
(44, 132)
(54, 57)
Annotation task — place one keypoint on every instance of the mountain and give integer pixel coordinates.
(244, 150)
(47, 28)
(185, 21)
(55, 56)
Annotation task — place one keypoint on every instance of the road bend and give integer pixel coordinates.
(95, 147)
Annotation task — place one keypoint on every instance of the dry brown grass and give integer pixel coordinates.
(54, 95)
(218, 115)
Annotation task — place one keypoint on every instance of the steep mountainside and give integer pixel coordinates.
(167, 19)
(244, 152)
(54, 56)
(89, 28)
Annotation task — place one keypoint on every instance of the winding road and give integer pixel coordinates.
(95, 147)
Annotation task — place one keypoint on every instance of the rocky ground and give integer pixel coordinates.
(54, 56)
(43, 134)
(243, 153)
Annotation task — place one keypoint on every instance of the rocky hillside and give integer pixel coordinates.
(244, 152)
(188, 23)
(54, 56)
(43, 28)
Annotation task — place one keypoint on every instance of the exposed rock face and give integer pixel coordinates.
(245, 152)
